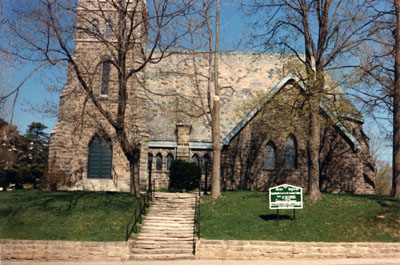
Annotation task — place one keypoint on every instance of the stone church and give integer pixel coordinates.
(263, 142)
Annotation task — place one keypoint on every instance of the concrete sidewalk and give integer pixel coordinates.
(224, 262)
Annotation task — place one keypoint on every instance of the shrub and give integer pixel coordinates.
(184, 176)
(53, 180)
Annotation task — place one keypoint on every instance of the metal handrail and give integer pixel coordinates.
(197, 217)
(136, 216)
(196, 230)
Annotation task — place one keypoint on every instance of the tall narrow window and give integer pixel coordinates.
(107, 29)
(158, 162)
(95, 27)
(100, 159)
(270, 156)
(169, 161)
(291, 152)
(206, 163)
(105, 78)
(195, 159)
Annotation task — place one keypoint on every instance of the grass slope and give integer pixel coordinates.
(78, 216)
(335, 218)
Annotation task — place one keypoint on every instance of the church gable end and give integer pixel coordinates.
(247, 165)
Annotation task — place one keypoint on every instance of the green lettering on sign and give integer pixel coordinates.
(285, 197)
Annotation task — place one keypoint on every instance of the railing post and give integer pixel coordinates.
(198, 236)
(140, 210)
(154, 189)
(199, 186)
(205, 178)
(135, 225)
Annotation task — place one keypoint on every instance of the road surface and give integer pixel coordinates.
(223, 262)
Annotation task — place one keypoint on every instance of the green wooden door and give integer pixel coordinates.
(100, 159)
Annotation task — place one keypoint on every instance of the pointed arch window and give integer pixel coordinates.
(94, 27)
(105, 78)
(169, 161)
(158, 162)
(107, 29)
(291, 152)
(270, 156)
(100, 158)
(206, 163)
(196, 160)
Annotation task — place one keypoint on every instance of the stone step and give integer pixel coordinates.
(172, 223)
(168, 221)
(174, 195)
(164, 238)
(176, 213)
(171, 217)
(161, 251)
(173, 204)
(166, 208)
(164, 243)
(168, 227)
(161, 256)
(149, 243)
(146, 243)
(167, 231)
(170, 233)
(185, 214)
(171, 201)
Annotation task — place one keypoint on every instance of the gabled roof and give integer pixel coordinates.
(287, 79)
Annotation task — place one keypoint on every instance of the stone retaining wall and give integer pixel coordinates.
(205, 249)
(234, 249)
(63, 250)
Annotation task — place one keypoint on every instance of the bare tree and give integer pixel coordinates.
(378, 144)
(202, 25)
(396, 107)
(377, 79)
(44, 31)
(321, 34)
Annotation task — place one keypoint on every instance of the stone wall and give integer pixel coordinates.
(80, 120)
(39, 250)
(177, 96)
(245, 250)
(344, 169)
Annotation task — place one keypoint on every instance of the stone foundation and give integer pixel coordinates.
(40, 250)
(245, 250)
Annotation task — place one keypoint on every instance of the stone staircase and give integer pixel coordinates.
(168, 228)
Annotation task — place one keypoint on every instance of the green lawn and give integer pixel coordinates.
(245, 215)
(78, 216)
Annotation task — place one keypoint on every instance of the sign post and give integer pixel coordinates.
(285, 197)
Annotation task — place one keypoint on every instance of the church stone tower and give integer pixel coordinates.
(83, 146)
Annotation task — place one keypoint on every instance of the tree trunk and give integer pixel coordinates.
(216, 131)
(313, 150)
(134, 165)
(216, 165)
(396, 108)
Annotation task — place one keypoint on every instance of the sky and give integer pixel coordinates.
(34, 92)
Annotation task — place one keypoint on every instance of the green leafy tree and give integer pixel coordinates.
(24, 157)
